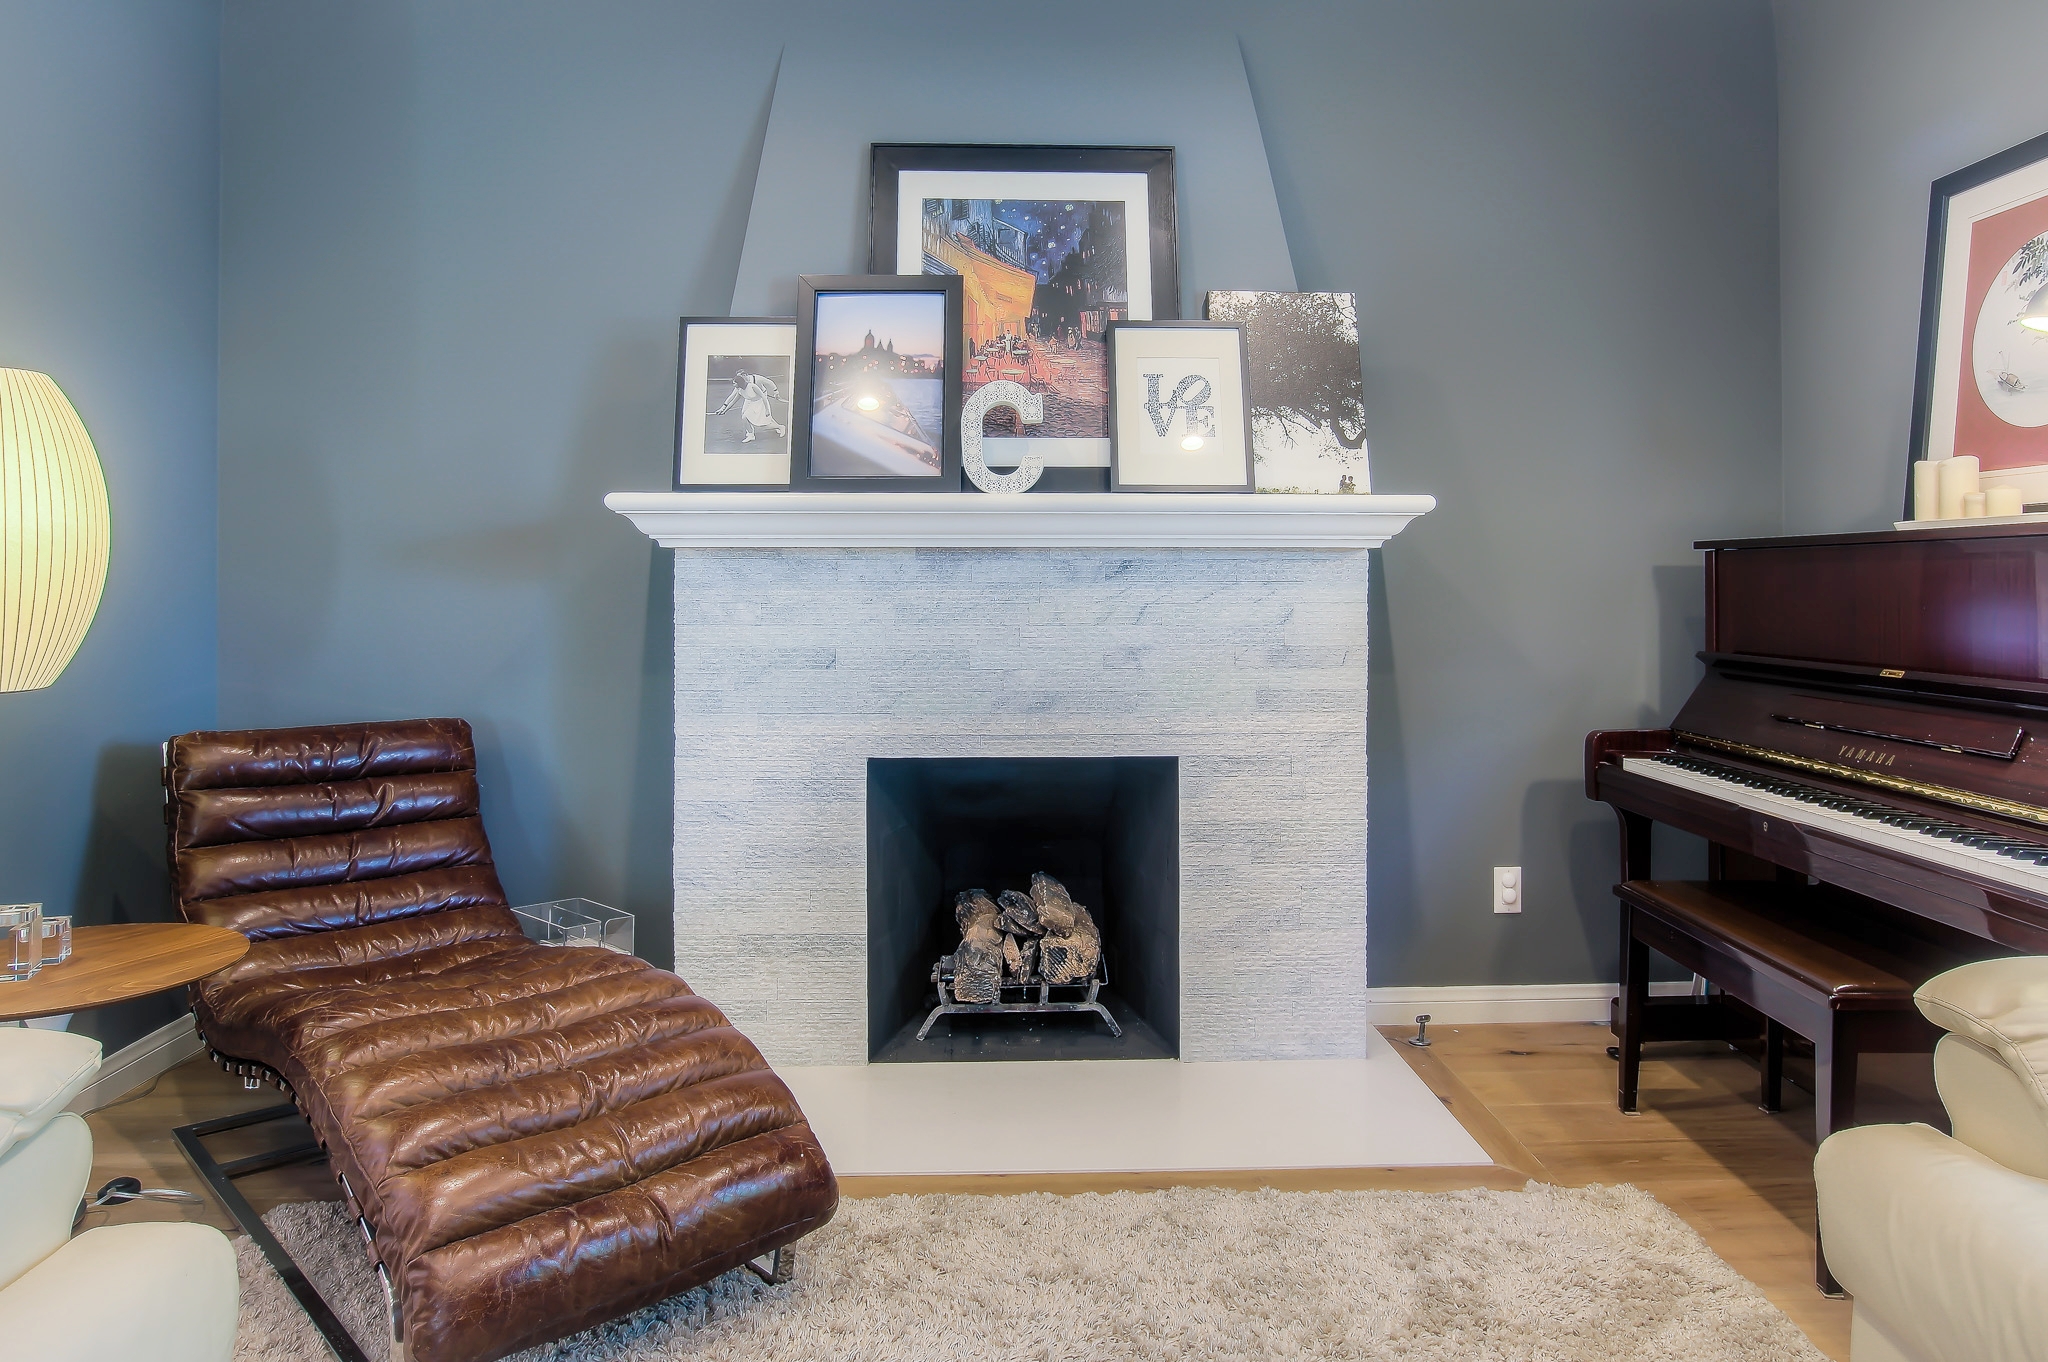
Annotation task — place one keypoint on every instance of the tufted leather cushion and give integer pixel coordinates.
(542, 1137)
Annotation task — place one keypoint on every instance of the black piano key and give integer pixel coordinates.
(1889, 815)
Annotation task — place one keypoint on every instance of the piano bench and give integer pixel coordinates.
(1777, 948)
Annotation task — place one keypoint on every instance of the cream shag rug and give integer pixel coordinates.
(1545, 1273)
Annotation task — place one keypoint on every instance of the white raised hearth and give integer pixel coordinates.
(816, 631)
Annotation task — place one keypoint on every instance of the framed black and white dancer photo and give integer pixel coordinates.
(1053, 244)
(1180, 409)
(877, 384)
(735, 381)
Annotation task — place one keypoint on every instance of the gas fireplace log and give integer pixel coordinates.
(1050, 900)
(1045, 889)
(975, 912)
(1055, 919)
(1069, 957)
(978, 963)
(1042, 937)
(977, 973)
(1020, 915)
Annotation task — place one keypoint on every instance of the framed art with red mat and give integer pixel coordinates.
(1982, 383)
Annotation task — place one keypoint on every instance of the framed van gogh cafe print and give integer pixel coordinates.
(1052, 245)
(1982, 383)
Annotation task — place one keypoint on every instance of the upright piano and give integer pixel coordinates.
(1874, 716)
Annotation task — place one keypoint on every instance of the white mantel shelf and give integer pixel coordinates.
(1048, 520)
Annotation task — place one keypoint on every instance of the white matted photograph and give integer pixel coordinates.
(735, 380)
(1180, 418)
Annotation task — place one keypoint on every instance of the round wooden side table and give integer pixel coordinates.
(114, 964)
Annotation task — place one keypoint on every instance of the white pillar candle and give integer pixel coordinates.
(1958, 478)
(1926, 489)
(2002, 501)
(1973, 504)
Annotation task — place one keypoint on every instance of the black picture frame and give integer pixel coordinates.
(685, 409)
(888, 160)
(1940, 199)
(1243, 428)
(803, 422)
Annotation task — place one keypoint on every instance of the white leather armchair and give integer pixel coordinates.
(166, 1292)
(1943, 1241)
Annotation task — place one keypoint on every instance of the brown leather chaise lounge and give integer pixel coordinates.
(540, 1138)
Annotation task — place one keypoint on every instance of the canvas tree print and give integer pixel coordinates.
(1307, 388)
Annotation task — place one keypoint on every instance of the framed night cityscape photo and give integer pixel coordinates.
(877, 383)
(1051, 245)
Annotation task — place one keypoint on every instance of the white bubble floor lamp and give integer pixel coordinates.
(54, 530)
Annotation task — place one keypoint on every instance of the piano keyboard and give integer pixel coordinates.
(2008, 860)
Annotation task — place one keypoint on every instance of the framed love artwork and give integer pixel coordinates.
(1180, 408)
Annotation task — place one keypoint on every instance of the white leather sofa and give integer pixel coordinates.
(120, 1293)
(1943, 1241)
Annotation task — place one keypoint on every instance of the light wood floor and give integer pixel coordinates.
(1538, 1098)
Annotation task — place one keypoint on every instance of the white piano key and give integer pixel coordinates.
(1933, 848)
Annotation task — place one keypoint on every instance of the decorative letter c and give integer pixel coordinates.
(1030, 409)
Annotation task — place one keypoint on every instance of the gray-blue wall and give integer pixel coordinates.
(1560, 222)
(1880, 98)
(108, 177)
(456, 236)
(455, 241)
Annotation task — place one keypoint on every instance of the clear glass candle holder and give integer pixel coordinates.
(577, 922)
(21, 941)
(56, 938)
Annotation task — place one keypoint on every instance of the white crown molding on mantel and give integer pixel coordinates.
(1038, 520)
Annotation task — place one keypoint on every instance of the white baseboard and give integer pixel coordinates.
(1457, 1004)
(139, 1061)
(1473, 1004)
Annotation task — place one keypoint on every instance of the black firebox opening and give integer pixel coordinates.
(1106, 827)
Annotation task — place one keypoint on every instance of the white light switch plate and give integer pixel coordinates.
(1507, 889)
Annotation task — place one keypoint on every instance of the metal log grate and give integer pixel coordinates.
(1016, 996)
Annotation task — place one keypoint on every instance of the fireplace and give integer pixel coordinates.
(816, 632)
(1106, 828)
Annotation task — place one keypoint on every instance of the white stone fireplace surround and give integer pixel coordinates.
(815, 631)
